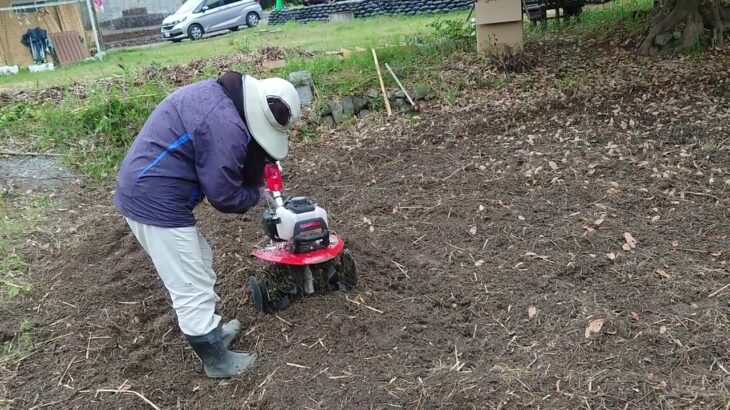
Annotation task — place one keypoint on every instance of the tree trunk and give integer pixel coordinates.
(692, 17)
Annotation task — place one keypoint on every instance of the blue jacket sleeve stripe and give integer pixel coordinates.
(172, 147)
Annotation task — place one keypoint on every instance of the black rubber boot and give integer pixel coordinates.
(218, 361)
(229, 332)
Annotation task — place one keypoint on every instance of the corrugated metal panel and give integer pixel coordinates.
(69, 47)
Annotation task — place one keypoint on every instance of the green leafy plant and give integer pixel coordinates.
(452, 29)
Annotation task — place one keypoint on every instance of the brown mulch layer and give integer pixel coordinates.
(176, 74)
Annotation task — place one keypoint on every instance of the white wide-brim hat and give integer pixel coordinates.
(266, 130)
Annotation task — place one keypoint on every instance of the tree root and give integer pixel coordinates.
(696, 16)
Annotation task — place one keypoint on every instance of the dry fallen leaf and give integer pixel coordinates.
(630, 240)
(532, 311)
(553, 165)
(662, 330)
(626, 247)
(656, 218)
(270, 65)
(634, 315)
(372, 228)
(520, 217)
(662, 273)
(480, 262)
(481, 208)
(594, 327)
(611, 256)
(598, 221)
(473, 230)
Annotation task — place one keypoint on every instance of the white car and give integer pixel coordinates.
(198, 17)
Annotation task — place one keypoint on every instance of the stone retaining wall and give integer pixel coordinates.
(367, 8)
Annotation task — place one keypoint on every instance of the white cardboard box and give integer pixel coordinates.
(498, 24)
(498, 11)
(499, 35)
(36, 68)
(8, 69)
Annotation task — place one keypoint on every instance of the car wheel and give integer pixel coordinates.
(195, 32)
(252, 19)
(235, 28)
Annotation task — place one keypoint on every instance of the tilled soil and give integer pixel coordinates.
(489, 235)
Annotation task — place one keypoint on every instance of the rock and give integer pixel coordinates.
(400, 102)
(348, 107)
(337, 111)
(328, 120)
(421, 92)
(360, 104)
(364, 113)
(366, 8)
(677, 35)
(399, 94)
(300, 78)
(305, 94)
(663, 39)
(373, 94)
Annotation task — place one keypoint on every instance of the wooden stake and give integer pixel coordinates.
(471, 11)
(410, 100)
(382, 84)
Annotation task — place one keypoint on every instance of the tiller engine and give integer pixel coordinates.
(304, 256)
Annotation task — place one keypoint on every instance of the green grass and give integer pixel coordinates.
(95, 132)
(602, 20)
(12, 267)
(21, 345)
(380, 31)
(13, 226)
(356, 74)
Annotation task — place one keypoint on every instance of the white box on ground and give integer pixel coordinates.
(498, 24)
(36, 68)
(8, 69)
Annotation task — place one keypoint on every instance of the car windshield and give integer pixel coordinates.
(188, 6)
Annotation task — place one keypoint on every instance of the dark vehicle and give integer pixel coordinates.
(536, 10)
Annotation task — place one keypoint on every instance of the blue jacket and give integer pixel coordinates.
(192, 146)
